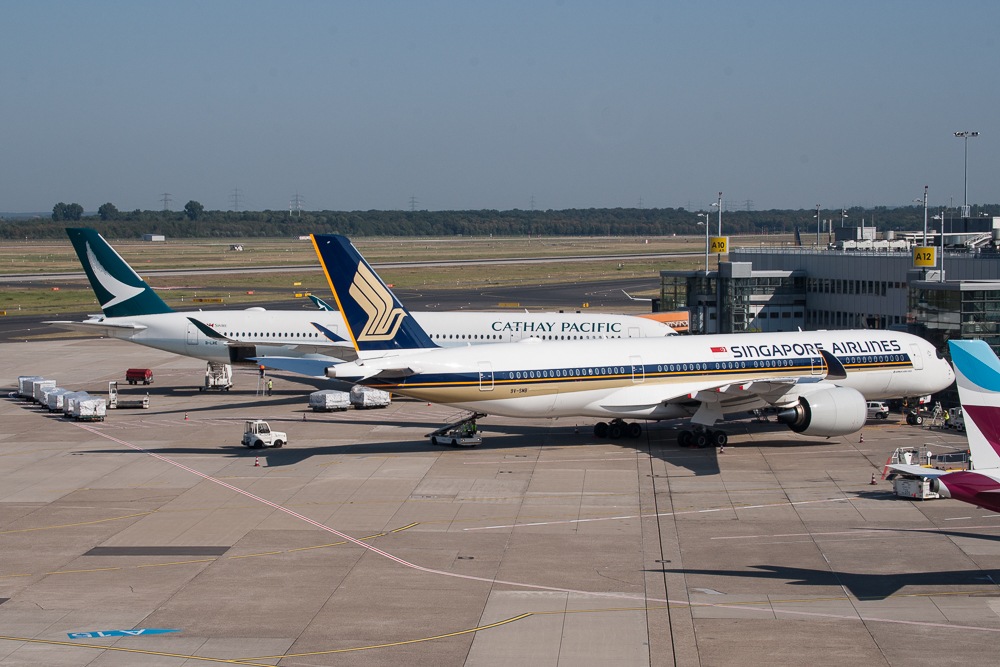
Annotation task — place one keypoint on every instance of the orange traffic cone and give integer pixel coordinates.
(256, 464)
(873, 479)
(862, 438)
(185, 416)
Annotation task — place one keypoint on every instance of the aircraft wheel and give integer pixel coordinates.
(685, 438)
(634, 430)
(718, 438)
(700, 440)
(601, 429)
(615, 431)
(918, 420)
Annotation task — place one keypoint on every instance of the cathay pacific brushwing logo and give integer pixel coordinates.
(383, 319)
(119, 290)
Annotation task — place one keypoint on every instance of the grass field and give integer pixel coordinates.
(39, 257)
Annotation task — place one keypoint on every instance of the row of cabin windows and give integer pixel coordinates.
(673, 368)
(499, 337)
(276, 335)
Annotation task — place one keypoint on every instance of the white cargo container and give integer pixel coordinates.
(70, 398)
(328, 400)
(54, 399)
(90, 409)
(367, 397)
(39, 387)
(24, 384)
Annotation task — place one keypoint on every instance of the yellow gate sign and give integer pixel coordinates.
(719, 245)
(925, 256)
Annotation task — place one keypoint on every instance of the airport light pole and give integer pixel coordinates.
(817, 225)
(719, 204)
(705, 215)
(964, 135)
(925, 213)
(940, 216)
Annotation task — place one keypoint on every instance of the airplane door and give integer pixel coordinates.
(485, 376)
(916, 357)
(192, 334)
(818, 365)
(638, 372)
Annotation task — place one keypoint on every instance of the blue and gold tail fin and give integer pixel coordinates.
(119, 289)
(977, 372)
(376, 320)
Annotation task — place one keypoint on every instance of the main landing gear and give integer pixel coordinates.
(617, 428)
(702, 437)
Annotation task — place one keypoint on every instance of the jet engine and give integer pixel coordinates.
(827, 412)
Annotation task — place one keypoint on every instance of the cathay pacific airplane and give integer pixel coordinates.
(820, 381)
(303, 341)
(978, 371)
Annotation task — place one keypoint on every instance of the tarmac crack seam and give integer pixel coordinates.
(420, 568)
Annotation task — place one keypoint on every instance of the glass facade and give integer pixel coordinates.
(939, 312)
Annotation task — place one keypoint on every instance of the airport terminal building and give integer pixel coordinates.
(856, 282)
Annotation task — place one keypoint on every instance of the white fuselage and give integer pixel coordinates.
(653, 379)
(284, 333)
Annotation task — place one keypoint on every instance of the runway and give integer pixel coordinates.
(360, 543)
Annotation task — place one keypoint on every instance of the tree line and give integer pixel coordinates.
(195, 222)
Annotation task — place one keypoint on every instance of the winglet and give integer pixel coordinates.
(376, 320)
(119, 289)
(207, 330)
(326, 332)
(834, 369)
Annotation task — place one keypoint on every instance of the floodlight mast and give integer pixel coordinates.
(964, 135)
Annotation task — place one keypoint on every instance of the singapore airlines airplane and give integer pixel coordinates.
(978, 371)
(303, 341)
(819, 380)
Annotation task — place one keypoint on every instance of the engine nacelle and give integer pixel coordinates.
(827, 412)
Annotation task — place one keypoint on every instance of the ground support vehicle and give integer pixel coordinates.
(89, 409)
(116, 401)
(329, 400)
(137, 375)
(24, 385)
(38, 389)
(365, 397)
(218, 377)
(461, 433)
(257, 433)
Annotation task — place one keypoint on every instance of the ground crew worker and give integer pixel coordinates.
(270, 386)
(947, 417)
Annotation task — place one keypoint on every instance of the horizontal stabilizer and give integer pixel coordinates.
(100, 328)
(308, 366)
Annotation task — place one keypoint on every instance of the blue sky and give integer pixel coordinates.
(469, 105)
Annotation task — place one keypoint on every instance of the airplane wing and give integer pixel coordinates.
(916, 471)
(308, 366)
(100, 328)
(715, 398)
(326, 345)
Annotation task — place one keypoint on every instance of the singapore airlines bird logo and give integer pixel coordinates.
(118, 290)
(383, 320)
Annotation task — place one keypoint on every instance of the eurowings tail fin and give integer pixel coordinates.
(977, 370)
(119, 289)
(376, 320)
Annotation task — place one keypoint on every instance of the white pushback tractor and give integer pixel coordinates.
(257, 433)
